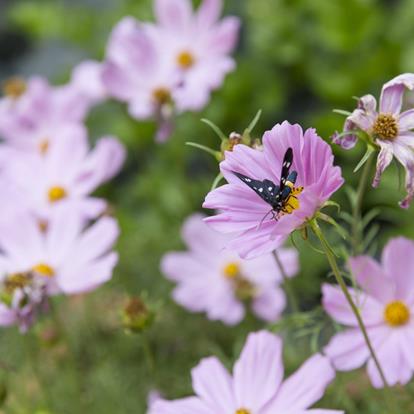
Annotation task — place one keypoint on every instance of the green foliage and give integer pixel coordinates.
(297, 60)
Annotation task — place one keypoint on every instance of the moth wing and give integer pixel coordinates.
(261, 188)
(287, 163)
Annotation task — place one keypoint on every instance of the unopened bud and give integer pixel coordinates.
(136, 317)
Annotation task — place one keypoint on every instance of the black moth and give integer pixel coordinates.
(282, 197)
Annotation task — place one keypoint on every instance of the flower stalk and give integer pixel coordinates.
(335, 269)
(287, 284)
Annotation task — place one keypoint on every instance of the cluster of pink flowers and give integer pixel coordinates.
(173, 65)
(48, 171)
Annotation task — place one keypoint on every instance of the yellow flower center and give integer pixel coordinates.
(385, 126)
(43, 146)
(396, 313)
(44, 269)
(14, 87)
(242, 411)
(161, 96)
(231, 270)
(185, 60)
(56, 193)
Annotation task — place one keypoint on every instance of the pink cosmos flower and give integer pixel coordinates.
(386, 303)
(198, 45)
(138, 73)
(33, 118)
(215, 280)
(388, 127)
(65, 258)
(68, 173)
(242, 210)
(163, 69)
(256, 386)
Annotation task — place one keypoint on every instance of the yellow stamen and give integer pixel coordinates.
(56, 193)
(14, 87)
(44, 269)
(242, 411)
(231, 270)
(43, 146)
(185, 60)
(161, 96)
(396, 313)
(385, 127)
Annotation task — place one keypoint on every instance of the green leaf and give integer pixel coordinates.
(215, 154)
(252, 124)
(215, 128)
(365, 158)
(342, 112)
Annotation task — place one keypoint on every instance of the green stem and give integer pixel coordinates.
(335, 269)
(356, 211)
(148, 353)
(286, 283)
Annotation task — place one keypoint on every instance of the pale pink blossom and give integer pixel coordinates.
(65, 257)
(34, 119)
(242, 211)
(67, 174)
(386, 303)
(256, 386)
(215, 280)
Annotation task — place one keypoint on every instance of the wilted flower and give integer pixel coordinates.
(256, 386)
(67, 175)
(215, 280)
(243, 212)
(32, 114)
(386, 304)
(388, 128)
(68, 258)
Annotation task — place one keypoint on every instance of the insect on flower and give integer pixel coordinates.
(283, 197)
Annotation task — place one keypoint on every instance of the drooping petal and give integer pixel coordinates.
(405, 155)
(303, 388)
(362, 119)
(406, 120)
(392, 93)
(336, 305)
(383, 161)
(372, 278)
(259, 370)
(213, 384)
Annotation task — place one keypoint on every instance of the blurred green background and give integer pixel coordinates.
(297, 60)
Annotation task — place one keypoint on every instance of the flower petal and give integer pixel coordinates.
(392, 93)
(373, 280)
(303, 388)
(336, 305)
(406, 120)
(208, 13)
(213, 384)
(173, 14)
(259, 370)
(398, 263)
(383, 161)
(190, 405)
(270, 304)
